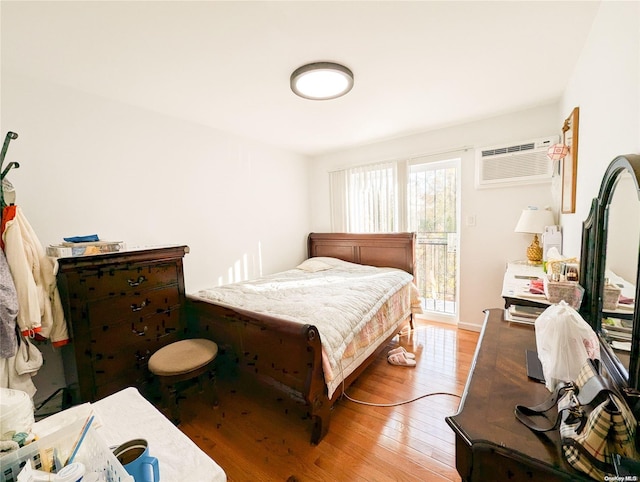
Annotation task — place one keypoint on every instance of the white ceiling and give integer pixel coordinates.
(418, 65)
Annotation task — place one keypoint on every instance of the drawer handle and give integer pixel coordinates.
(138, 282)
(139, 333)
(135, 307)
(141, 357)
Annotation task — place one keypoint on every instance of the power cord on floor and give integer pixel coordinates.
(395, 404)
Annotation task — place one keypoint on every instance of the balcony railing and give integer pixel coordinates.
(436, 271)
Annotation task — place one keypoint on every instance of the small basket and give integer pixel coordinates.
(93, 453)
(611, 297)
(569, 291)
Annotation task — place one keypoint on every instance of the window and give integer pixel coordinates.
(364, 199)
(419, 195)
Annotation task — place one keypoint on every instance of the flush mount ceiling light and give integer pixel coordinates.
(321, 81)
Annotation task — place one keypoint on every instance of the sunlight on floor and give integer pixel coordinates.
(434, 344)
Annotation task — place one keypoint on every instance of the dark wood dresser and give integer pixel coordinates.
(120, 308)
(490, 443)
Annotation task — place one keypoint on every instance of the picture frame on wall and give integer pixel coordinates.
(570, 162)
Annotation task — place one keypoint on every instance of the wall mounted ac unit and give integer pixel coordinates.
(511, 164)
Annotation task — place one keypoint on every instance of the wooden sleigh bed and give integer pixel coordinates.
(288, 355)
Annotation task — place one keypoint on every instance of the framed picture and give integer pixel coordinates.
(570, 162)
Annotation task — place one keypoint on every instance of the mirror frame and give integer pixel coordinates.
(592, 271)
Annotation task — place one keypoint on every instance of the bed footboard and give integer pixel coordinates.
(278, 352)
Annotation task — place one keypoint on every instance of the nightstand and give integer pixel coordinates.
(519, 303)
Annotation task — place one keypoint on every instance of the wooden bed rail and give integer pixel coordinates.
(285, 355)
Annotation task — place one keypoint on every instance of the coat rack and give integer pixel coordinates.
(3, 173)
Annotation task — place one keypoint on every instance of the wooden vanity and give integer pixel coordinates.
(491, 444)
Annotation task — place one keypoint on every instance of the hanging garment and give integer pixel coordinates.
(8, 311)
(40, 308)
(9, 377)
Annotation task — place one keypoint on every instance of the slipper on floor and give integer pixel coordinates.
(400, 349)
(399, 359)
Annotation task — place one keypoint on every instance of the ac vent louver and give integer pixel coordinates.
(522, 163)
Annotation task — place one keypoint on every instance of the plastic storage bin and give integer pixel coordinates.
(93, 453)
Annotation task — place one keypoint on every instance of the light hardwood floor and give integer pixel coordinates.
(258, 435)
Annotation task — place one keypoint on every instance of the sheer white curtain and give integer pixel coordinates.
(364, 199)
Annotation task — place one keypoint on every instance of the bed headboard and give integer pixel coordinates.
(390, 250)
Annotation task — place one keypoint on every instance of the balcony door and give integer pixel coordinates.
(432, 211)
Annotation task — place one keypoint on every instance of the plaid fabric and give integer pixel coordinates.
(590, 435)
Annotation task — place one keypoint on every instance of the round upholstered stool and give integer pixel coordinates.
(181, 361)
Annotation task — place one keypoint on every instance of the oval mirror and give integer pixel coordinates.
(622, 231)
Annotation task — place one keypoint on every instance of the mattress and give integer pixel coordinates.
(353, 306)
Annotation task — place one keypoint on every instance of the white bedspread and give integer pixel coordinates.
(338, 301)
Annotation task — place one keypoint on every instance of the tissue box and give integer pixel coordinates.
(611, 296)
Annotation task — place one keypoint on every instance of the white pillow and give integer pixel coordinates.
(312, 265)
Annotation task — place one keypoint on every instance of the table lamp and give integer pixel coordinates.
(533, 221)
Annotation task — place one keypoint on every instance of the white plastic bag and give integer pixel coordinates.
(564, 341)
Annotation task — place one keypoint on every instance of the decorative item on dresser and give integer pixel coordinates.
(120, 308)
(534, 221)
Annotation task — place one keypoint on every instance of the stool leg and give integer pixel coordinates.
(208, 380)
(201, 380)
(170, 400)
(214, 389)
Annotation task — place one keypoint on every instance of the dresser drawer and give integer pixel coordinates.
(130, 379)
(117, 361)
(132, 306)
(138, 330)
(109, 282)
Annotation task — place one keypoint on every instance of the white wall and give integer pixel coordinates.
(486, 247)
(91, 165)
(606, 86)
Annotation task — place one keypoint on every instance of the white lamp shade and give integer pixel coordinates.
(534, 221)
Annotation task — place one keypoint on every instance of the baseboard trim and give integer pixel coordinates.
(470, 327)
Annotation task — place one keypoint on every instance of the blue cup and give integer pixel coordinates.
(134, 457)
